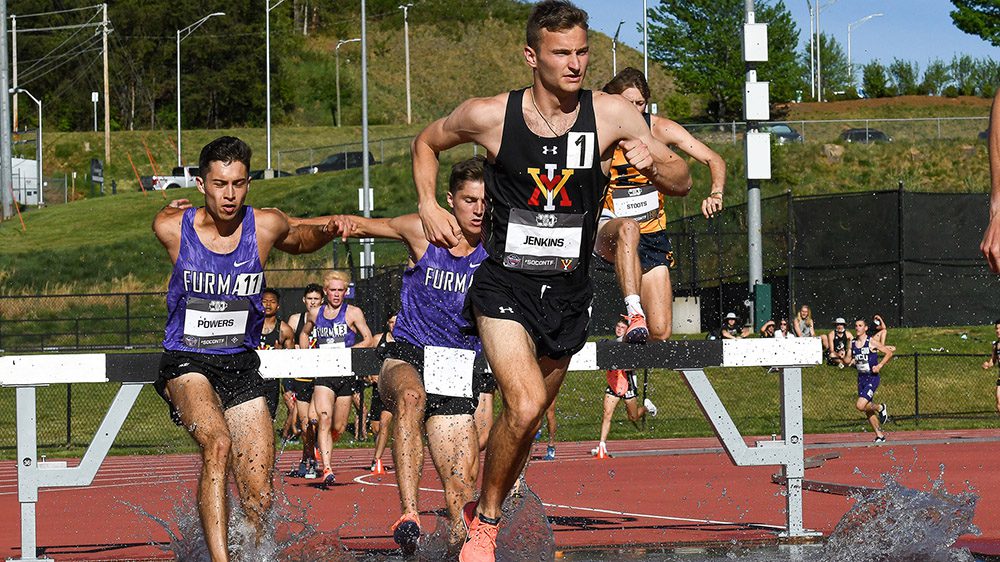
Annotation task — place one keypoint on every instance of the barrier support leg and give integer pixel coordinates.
(787, 452)
(32, 475)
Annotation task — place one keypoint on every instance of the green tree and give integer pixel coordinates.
(833, 65)
(936, 77)
(699, 40)
(903, 74)
(874, 80)
(963, 74)
(978, 17)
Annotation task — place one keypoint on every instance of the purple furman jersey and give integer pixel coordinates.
(334, 332)
(213, 300)
(865, 358)
(433, 295)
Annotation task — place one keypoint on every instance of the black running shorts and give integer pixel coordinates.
(556, 317)
(341, 386)
(488, 384)
(303, 390)
(655, 250)
(437, 404)
(235, 377)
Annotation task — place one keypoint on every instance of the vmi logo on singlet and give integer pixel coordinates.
(550, 185)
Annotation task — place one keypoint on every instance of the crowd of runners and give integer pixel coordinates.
(498, 276)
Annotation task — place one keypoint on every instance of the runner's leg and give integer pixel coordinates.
(201, 413)
(658, 302)
(484, 417)
(454, 446)
(618, 243)
(610, 402)
(403, 392)
(252, 458)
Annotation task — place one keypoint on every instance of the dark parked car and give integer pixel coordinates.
(259, 174)
(984, 135)
(864, 136)
(783, 134)
(338, 161)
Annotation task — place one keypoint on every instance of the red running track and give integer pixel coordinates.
(677, 491)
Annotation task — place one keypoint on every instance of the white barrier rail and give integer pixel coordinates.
(26, 372)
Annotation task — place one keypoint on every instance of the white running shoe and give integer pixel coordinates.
(650, 406)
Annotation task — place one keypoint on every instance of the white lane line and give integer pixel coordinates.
(361, 480)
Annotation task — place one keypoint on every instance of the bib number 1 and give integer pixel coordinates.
(580, 150)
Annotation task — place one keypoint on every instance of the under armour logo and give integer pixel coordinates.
(550, 150)
(506, 310)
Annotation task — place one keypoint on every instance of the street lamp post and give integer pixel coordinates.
(812, 52)
(851, 26)
(185, 32)
(614, 50)
(406, 47)
(819, 49)
(337, 52)
(38, 139)
(269, 171)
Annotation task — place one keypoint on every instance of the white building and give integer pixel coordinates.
(25, 181)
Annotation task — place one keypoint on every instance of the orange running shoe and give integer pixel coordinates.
(328, 478)
(481, 544)
(637, 331)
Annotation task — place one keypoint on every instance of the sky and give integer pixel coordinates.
(915, 30)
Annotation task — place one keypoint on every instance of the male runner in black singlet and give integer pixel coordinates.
(548, 148)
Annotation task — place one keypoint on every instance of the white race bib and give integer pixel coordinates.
(639, 202)
(210, 324)
(543, 241)
(448, 371)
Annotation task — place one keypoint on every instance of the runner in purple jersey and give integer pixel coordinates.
(863, 354)
(427, 378)
(209, 369)
(337, 324)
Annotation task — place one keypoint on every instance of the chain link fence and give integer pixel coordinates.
(830, 130)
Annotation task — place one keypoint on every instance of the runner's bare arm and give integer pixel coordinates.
(990, 246)
(299, 238)
(356, 319)
(286, 337)
(626, 127)
(887, 355)
(474, 121)
(670, 133)
(167, 227)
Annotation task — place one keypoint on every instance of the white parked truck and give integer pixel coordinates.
(181, 176)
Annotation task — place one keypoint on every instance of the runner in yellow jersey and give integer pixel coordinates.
(632, 230)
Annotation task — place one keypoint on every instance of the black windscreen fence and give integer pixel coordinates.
(911, 257)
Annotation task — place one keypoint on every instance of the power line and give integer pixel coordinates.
(94, 7)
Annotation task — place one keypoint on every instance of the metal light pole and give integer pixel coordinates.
(614, 50)
(819, 49)
(38, 140)
(406, 47)
(851, 26)
(812, 52)
(185, 32)
(269, 171)
(337, 52)
(645, 41)
(94, 98)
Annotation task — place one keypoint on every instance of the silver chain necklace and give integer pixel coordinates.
(546, 121)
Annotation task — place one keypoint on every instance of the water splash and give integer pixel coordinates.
(897, 523)
(288, 535)
(525, 534)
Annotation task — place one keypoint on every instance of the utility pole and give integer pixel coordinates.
(406, 47)
(368, 257)
(756, 108)
(812, 52)
(645, 41)
(107, 98)
(6, 183)
(269, 171)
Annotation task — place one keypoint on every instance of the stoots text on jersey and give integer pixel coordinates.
(211, 283)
